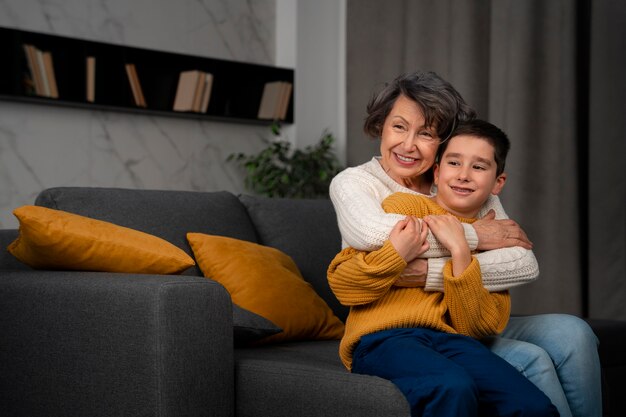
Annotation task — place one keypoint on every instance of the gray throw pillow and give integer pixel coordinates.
(249, 327)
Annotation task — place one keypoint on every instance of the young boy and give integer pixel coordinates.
(422, 341)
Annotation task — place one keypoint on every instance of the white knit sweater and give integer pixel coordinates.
(357, 194)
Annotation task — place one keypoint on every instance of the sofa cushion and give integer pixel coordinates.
(9, 262)
(249, 327)
(55, 239)
(267, 282)
(307, 231)
(166, 214)
(307, 379)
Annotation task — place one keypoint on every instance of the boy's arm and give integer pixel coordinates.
(358, 277)
(474, 311)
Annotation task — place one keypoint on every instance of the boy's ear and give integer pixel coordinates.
(436, 174)
(499, 184)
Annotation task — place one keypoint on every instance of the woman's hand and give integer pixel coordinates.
(414, 275)
(496, 234)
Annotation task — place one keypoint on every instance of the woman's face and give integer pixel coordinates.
(407, 147)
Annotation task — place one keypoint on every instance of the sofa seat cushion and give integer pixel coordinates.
(308, 379)
(167, 214)
(612, 337)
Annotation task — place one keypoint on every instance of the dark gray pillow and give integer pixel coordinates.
(249, 327)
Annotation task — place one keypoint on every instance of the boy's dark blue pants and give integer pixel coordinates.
(443, 374)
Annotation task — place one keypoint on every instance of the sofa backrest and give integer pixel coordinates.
(166, 214)
(304, 229)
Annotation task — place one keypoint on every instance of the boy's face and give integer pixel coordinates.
(466, 176)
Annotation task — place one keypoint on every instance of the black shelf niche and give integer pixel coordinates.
(235, 96)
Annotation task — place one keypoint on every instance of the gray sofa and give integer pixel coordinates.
(110, 344)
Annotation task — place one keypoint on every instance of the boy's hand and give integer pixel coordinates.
(449, 231)
(408, 237)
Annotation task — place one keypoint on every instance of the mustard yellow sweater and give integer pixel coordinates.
(364, 281)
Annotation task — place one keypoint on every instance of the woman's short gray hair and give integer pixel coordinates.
(442, 106)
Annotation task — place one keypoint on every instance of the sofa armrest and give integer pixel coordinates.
(105, 344)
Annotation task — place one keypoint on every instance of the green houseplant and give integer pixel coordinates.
(280, 171)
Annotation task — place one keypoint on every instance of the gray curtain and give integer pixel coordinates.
(524, 66)
(607, 151)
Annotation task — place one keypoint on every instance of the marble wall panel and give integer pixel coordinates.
(47, 146)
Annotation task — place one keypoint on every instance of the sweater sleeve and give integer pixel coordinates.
(502, 269)
(361, 219)
(474, 311)
(358, 278)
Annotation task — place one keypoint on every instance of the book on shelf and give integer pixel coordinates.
(275, 100)
(41, 70)
(193, 91)
(284, 103)
(90, 88)
(33, 68)
(135, 85)
(51, 78)
(206, 93)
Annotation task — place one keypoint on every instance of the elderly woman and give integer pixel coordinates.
(411, 116)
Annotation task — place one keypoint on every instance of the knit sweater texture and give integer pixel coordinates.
(364, 281)
(357, 194)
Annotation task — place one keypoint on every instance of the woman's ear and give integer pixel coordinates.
(499, 184)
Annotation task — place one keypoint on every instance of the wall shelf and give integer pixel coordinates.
(236, 91)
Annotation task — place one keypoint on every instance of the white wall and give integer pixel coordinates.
(321, 72)
(310, 37)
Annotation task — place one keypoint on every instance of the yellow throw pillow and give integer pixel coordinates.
(55, 239)
(267, 282)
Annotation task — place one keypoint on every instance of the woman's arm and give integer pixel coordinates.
(357, 197)
(502, 269)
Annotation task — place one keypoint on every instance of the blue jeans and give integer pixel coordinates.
(443, 374)
(559, 354)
